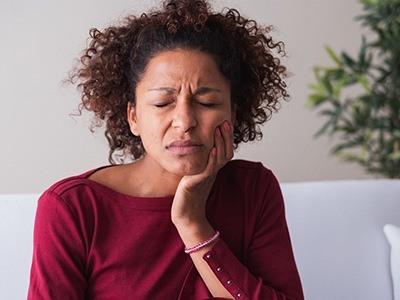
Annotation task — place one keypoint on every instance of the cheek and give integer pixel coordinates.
(150, 138)
(216, 122)
(146, 128)
(153, 131)
(221, 118)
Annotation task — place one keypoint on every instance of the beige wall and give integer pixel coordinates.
(41, 143)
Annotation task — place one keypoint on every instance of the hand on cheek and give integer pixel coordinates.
(193, 190)
(223, 144)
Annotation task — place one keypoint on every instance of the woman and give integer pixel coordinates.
(178, 88)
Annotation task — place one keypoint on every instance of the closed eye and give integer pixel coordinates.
(161, 105)
(207, 104)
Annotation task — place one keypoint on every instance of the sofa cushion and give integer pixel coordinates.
(336, 231)
(392, 233)
(17, 214)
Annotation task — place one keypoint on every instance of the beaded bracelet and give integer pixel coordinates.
(208, 241)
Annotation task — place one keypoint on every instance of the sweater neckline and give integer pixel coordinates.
(145, 203)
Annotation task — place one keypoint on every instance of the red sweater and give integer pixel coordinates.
(91, 242)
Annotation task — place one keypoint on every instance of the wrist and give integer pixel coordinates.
(205, 244)
(192, 221)
(193, 234)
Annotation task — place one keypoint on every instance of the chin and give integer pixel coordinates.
(190, 168)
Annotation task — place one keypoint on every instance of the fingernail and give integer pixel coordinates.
(218, 132)
(214, 151)
(227, 126)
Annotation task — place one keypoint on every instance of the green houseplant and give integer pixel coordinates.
(360, 96)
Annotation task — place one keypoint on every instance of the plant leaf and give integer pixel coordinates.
(333, 56)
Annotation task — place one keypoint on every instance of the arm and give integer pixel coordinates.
(58, 251)
(270, 271)
(267, 269)
(188, 208)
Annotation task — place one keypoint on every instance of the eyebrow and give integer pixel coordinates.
(200, 91)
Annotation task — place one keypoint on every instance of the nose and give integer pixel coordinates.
(184, 117)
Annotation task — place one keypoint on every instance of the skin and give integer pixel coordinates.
(183, 114)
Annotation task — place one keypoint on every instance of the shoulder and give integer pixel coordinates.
(63, 186)
(72, 191)
(71, 198)
(247, 191)
(246, 170)
(247, 177)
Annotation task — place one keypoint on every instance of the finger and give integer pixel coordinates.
(220, 146)
(211, 163)
(227, 134)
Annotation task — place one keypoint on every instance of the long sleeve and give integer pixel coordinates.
(266, 268)
(58, 253)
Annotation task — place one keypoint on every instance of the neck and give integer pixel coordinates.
(152, 181)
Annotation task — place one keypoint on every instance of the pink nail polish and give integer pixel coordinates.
(227, 126)
(218, 132)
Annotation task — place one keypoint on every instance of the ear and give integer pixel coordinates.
(132, 119)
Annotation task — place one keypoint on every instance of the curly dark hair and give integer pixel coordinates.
(115, 59)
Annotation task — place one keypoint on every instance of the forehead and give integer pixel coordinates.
(183, 65)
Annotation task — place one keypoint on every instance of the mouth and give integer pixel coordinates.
(181, 147)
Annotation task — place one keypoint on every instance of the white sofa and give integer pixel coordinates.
(336, 229)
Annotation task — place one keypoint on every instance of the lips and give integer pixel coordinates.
(182, 147)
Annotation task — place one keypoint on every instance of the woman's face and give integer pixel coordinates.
(180, 100)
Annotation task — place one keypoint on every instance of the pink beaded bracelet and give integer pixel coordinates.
(208, 241)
